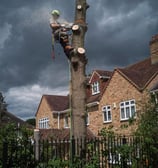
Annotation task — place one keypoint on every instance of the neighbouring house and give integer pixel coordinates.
(8, 118)
(53, 117)
(113, 97)
(53, 112)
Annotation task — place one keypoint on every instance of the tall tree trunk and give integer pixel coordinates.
(78, 77)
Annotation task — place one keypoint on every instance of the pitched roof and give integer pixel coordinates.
(57, 102)
(100, 73)
(7, 117)
(61, 134)
(141, 73)
(54, 133)
(104, 73)
(93, 98)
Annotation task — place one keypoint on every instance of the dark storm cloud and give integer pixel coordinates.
(27, 68)
(120, 31)
(27, 51)
(118, 34)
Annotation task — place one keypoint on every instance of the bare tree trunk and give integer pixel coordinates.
(78, 77)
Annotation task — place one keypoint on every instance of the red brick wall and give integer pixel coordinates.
(118, 90)
(45, 111)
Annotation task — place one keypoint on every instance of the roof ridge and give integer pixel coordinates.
(102, 70)
(140, 73)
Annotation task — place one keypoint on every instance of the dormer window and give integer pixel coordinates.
(95, 88)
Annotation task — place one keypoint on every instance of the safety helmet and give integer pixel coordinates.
(56, 12)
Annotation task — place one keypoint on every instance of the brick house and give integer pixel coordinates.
(54, 113)
(8, 118)
(113, 98)
(126, 90)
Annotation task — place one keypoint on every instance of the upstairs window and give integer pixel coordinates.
(127, 109)
(43, 123)
(107, 116)
(95, 88)
(66, 122)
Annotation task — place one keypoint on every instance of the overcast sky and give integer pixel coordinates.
(118, 34)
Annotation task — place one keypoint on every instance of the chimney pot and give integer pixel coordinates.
(154, 49)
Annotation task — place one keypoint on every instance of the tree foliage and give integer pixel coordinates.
(3, 106)
(31, 121)
(16, 149)
(148, 129)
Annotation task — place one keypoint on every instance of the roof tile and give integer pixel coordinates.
(140, 73)
(61, 134)
(56, 102)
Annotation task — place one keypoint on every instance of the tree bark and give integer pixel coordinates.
(78, 63)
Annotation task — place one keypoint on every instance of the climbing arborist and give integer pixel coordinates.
(61, 32)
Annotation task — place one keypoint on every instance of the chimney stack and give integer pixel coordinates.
(154, 49)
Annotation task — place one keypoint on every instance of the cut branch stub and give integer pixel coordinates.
(76, 28)
(79, 7)
(81, 51)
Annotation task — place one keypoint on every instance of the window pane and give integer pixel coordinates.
(104, 108)
(132, 110)
(127, 103)
(122, 113)
(109, 115)
(127, 112)
(122, 104)
(95, 87)
(132, 102)
(105, 116)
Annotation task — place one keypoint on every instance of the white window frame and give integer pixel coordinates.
(66, 122)
(95, 88)
(106, 110)
(127, 109)
(43, 123)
